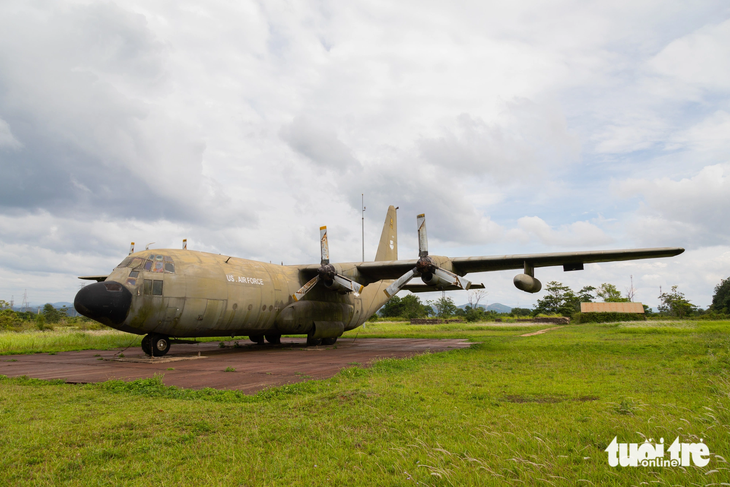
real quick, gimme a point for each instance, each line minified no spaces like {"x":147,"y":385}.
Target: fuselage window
{"x":157,"y":288}
{"x":132,"y":279}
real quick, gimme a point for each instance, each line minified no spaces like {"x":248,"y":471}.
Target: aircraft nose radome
{"x":107,"y":302}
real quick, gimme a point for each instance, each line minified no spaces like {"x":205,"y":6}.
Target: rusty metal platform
{"x":204,"y":364}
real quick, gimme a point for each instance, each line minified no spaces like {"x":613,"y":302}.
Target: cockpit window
{"x":148,"y":265}
{"x":131,"y":262}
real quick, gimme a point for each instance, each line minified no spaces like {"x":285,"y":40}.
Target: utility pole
{"x":363,"y":226}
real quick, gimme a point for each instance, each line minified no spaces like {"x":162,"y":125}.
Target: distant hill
{"x":498,"y":307}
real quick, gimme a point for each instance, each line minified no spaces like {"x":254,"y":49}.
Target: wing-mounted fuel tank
{"x":300,"y":317}
{"x":527,"y":281}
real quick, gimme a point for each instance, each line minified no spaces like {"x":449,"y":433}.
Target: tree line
{"x":559,"y":299}
{"x":46,"y":319}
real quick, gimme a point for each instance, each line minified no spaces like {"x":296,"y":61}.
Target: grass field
{"x":511,"y":410}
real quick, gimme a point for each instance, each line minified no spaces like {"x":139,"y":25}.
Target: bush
{"x":606,"y":317}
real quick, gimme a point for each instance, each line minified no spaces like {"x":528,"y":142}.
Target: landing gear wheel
{"x":146,"y":345}
{"x":155,"y":345}
{"x":257,"y":339}
{"x":313,"y":342}
{"x":273,"y":339}
{"x":329,"y":341}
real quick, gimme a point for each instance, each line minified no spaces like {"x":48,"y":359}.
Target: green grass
{"x":70,"y":339}
{"x":511,"y":410}
{"x":64,"y":340}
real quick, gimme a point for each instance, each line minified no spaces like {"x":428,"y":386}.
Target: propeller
{"x":431,"y":274}
{"x":327,"y":273}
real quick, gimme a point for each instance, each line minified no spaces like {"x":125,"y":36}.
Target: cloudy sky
{"x":244,"y":126}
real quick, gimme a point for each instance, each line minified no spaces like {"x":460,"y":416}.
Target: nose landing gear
{"x":155,"y":345}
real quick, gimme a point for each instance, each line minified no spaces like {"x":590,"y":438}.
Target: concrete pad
{"x":256,"y":366}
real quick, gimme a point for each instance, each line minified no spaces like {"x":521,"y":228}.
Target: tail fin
{"x":388,"y":246}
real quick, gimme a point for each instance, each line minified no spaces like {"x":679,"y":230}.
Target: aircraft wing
{"x":466,"y":265}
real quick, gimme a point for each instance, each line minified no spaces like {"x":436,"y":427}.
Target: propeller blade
{"x":305,"y":289}
{"x":349,"y":284}
{"x":452,"y":278}
{"x":324,"y":247}
{"x":422,"y":238}
{"x":393,"y":289}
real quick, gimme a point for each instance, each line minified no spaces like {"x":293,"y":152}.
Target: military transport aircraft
{"x":166,"y":294}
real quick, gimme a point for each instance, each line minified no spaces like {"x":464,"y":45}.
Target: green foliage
{"x":40,"y":322}
{"x":412,"y":307}
{"x":9,"y":319}
{"x":559,"y":300}
{"x":675,"y":304}
{"x":721,"y":298}
{"x":606,"y":317}
{"x":444,"y":307}
{"x":610,"y":294}
{"x":520,"y":312}
{"x":52,"y":314}
{"x":392,"y":308}
{"x":408,"y":307}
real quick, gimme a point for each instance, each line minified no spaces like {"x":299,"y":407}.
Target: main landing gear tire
{"x":329,"y":341}
{"x":257,"y":339}
{"x":273,"y":339}
{"x":155,"y":345}
{"x":313,"y":342}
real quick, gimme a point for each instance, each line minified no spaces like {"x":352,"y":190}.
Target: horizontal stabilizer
{"x":94,"y":278}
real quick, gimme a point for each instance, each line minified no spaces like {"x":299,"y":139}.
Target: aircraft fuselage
{"x":184,"y":293}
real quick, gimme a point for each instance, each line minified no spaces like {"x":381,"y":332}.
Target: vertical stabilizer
{"x":388,"y":246}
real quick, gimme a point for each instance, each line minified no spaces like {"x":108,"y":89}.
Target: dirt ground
{"x":204,"y":364}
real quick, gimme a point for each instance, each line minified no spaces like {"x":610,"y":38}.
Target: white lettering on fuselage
{"x":244,"y":280}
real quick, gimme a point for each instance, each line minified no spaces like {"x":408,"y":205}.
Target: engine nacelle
{"x":526,"y":283}
{"x":334,"y":285}
{"x":431,"y":279}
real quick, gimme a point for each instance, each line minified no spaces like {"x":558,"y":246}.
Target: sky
{"x":516,"y":127}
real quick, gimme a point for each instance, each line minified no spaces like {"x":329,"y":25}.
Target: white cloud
{"x":699,"y":59}
{"x":578,"y":234}
{"x":692,"y":210}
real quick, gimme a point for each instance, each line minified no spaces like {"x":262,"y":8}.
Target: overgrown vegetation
{"x":511,"y":410}
{"x":48,"y":319}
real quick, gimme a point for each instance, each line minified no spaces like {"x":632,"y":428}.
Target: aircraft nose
{"x":107,"y":302}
